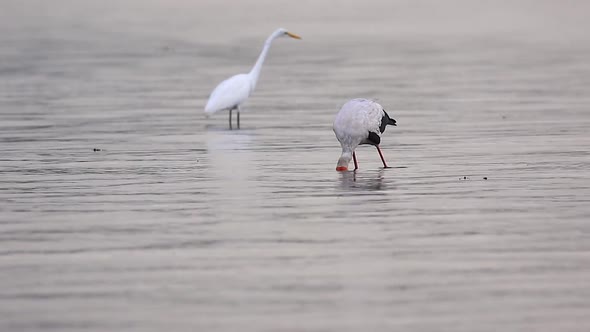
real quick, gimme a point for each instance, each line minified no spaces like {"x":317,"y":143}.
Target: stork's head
{"x":343,"y":161}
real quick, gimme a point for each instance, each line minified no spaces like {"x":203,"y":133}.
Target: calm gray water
{"x":179,"y":224}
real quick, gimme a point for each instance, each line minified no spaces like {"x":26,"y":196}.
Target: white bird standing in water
{"x":232,"y":92}
{"x":359,"y":121}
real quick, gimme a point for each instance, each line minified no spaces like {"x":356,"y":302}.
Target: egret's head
{"x":284,"y":33}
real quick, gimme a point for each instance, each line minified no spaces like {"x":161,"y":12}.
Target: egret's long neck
{"x":255,"y":72}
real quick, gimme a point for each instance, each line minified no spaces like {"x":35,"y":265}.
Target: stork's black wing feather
{"x":386,"y":120}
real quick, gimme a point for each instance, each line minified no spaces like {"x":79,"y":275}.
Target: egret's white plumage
{"x":229,"y":93}
{"x":232,"y":92}
{"x":359,"y":121}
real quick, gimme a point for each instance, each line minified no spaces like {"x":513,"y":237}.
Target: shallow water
{"x":178,"y":223}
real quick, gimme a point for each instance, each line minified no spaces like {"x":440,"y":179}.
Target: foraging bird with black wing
{"x":360,"y":121}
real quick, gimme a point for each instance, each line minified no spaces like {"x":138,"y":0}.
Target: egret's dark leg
{"x":381,"y":155}
{"x":356,"y":164}
{"x":238,"y":118}
{"x":230,"y":118}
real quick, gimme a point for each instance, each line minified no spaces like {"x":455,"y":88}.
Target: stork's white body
{"x":355,"y":120}
{"x":359,"y":121}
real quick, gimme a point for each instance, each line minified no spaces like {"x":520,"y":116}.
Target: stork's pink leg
{"x":381,"y":155}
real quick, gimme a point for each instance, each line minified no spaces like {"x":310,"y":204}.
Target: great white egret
{"x":359,"y":121}
{"x":232,"y":92}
